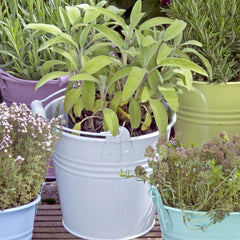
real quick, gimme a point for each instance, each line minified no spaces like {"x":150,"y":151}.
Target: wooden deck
{"x":48,"y":225}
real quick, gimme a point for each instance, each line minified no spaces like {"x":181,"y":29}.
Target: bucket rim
{"x":22,"y":207}
{"x":68,"y":131}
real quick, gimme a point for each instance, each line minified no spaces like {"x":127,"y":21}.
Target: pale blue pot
{"x":173,"y":227}
{"x":17,"y":223}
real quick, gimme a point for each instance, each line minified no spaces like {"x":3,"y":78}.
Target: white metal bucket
{"x":96,"y":202}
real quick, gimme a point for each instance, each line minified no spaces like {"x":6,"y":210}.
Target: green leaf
{"x":110,"y":34}
{"x":64,"y":18}
{"x":68,"y":38}
{"x":160,"y":115}
{"x":97,"y":106}
{"x":77,"y":127}
{"x":71,"y":98}
{"x":139,"y":36}
{"x":49,"y":76}
{"x":88,"y":95}
{"x":83,"y":77}
{"x":74,"y":14}
{"x":90,"y":16}
{"x":111,"y":119}
{"x":153,"y":78}
{"x":178,"y":39}
{"x":164,"y":52}
{"x":153,"y":22}
{"x":147,"y":122}
{"x":134,"y":79}
{"x":174,"y":29}
{"x":135,"y":114}
{"x":68,"y":56}
{"x":182,"y":63}
{"x":146,"y":94}
{"x":192,"y":42}
{"x":170,"y":96}
{"x":78,"y":107}
{"x":148,"y":40}
{"x":84,"y":35}
{"x":203,"y":59}
{"x":52,"y":41}
{"x":97,"y":63}
{"x":136,"y":14}
{"x":45,"y":28}
{"x":121,"y":74}
{"x":116,"y":101}
{"x":46,"y":67}
{"x":112,"y":15}
{"x":187,"y":77}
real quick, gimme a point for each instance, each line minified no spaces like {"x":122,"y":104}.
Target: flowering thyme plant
{"x":26,"y":145}
{"x":194,"y":178}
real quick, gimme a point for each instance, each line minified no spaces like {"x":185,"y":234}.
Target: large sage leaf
{"x":97,"y":63}
{"x":160,"y":115}
{"x":46,"y":67}
{"x":136,"y":14}
{"x":49,"y":76}
{"x":170,"y":96}
{"x":147,"y":122}
{"x":84,"y":77}
{"x":88,"y":95}
{"x":153,"y":22}
{"x":174,"y":29}
{"x":204,"y":60}
{"x":71,"y":98}
{"x":64,"y":18}
{"x":134,"y":79}
{"x":45,"y":28}
{"x":78,"y":107}
{"x":111,"y":119}
{"x":110,"y":34}
{"x":164,"y":52}
{"x":135,"y":114}
{"x":182,"y":63}
{"x":74,"y":14}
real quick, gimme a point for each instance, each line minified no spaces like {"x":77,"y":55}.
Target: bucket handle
{"x":165,"y":221}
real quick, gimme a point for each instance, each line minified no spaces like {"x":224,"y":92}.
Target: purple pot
{"x":18,"y":90}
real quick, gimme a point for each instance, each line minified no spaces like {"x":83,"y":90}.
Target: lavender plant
{"x":26,"y":145}
{"x":194,"y":178}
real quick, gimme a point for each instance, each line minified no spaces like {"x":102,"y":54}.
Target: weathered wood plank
{"x":48,"y":225}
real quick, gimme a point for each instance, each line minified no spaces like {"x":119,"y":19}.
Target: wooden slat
{"x":48,"y":225}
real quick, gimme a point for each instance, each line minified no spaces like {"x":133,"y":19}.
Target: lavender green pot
{"x":18,"y":90}
{"x":201,"y":120}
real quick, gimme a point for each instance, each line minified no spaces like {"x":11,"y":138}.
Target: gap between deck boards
{"x":48,"y":225}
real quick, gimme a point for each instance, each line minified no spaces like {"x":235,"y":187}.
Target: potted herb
{"x":216,"y":25}
{"x":27,"y":143}
{"x":20,"y":61}
{"x":120,"y":75}
{"x":195,"y":189}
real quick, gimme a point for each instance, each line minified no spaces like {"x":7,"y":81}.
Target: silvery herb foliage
{"x":26,"y":146}
{"x":120,"y":72}
{"x":216,"y":24}
{"x":203,"y":178}
{"x":18,"y":50}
